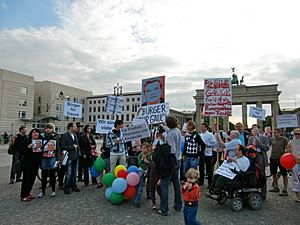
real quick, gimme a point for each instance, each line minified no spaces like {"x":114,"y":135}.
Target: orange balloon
{"x":288,"y":161}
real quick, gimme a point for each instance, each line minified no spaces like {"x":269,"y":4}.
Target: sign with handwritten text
{"x":72,"y":109}
{"x":257,"y":113}
{"x":217,"y":97}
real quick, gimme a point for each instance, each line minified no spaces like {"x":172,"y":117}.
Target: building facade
{"x":16,"y":101}
{"x":49,"y":101}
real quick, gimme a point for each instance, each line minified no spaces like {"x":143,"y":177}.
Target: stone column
{"x":198,"y":115}
{"x":226,"y":123}
{"x":212,"y":121}
{"x":275,"y":111}
{"x":259,"y":122}
{"x":244,"y":114}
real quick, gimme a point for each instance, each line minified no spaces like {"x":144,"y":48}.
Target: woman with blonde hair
{"x":294,"y":147}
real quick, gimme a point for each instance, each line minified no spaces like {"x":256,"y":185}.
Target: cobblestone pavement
{"x":90,"y":207}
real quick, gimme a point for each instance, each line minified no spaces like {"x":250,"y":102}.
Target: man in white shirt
{"x":242,"y":164}
{"x":210,"y":142}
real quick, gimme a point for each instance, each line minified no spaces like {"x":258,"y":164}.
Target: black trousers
{"x":51,"y":174}
{"x":215,"y":158}
{"x":207,"y":160}
{"x":86,"y":165}
{"x":80,"y":167}
{"x":30,"y":171}
{"x":61,"y":174}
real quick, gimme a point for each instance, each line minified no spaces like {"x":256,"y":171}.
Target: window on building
{"x":22,"y":102}
{"x":94,"y":118}
{"x":99,"y":101}
{"x":103,"y":109}
{"x":107,"y":117}
{"x":82,"y":100}
{"x":122,"y":117}
{"x":58,"y":107}
{"x":127,"y":117}
{"x":138,"y":99}
{"x":57,"y":129}
{"x":99,"y":109}
{"x":82,"y":119}
{"x":94,"y":109}
{"x":66,"y":118}
{"x":24,"y":90}
{"x":39,"y":100}
{"x":103,"y":101}
{"x":98,"y":116}
{"x":127,"y":108}
{"x":103,"y":117}
{"x":58,"y":116}
{"x":22,"y":114}
{"x":39,"y":109}
{"x":91,"y":102}
{"x":75,"y":99}
{"x":82,"y":110}
{"x":90,"y":109}
{"x":90,"y":118}
{"x":132,"y":117}
{"x":117,"y":117}
{"x":95,"y":101}
{"x":74,"y":119}
{"x":133,"y":99}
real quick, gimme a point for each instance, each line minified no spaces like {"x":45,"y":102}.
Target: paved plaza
{"x":90,"y":207}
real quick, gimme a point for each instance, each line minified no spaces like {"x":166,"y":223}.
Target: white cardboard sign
{"x":114,"y":104}
{"x":154,"y":113}
{"x":72,"y":109}
{"x":104,"y":126}
{"x":224,"y":170}
{"x":287,"y":120}
{"x":135,"y":132}
{"x":257,"y":113}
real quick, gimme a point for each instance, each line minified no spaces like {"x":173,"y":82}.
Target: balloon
{"x":132,"y":169}
{"x":93,"y":172}
{"x":118,"y":168}
{"x":108,"y":179}
{"x":133,"y":179}
{"x":129,"y":193}
{"x":108,"y":192}
{"x":116,"y":198}
{"x":99,"y":164}
{"x":288,"y":161}
{"x":122,"y":174}
{"x":119,"y":185}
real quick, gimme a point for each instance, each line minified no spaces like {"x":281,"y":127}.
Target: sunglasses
{"x":296,"y":133}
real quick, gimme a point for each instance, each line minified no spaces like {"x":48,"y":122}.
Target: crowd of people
{"x":182,"y":157}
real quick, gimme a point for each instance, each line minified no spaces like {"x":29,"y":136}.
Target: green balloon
{"x":116,"y":198}
{"x":99,"y":165}
{"x":108,"y":179}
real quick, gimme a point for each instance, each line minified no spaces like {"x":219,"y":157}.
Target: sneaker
{"x":154,"y":207}
{"x":283,"y":193}
{"x":160,"y":212}
{"x":26,"y":199}
{"x":41,"y":195}
{"x":53,"y":194}
{"x":275,"y":189}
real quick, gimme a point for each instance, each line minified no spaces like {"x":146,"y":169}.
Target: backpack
{"x":11,"y":147}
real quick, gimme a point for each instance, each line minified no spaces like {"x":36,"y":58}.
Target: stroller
{"x":245,"y":187}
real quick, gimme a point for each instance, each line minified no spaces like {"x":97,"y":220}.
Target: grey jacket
{"x":263,"y":144}
{"x":174,"y":140}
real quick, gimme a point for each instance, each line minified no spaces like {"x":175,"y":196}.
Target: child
{"x":191,"y":195}
{"x":143,"y":160}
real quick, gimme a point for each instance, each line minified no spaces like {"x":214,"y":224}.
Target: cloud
{"x":101,"y":43}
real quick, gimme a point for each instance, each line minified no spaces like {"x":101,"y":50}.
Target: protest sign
{"x":287,"y":120}
{"x":135,"y":132}
{"x":72,"y":109}
{"x":217,"y":97}
{"x":257,"y":113}
{"x":225,"y":170}
{"x":104,"y":126}
{"x":154,"y":113}
{"x":153,"y":91}
{"x":137,"y":121}
{"x":114,"y":104}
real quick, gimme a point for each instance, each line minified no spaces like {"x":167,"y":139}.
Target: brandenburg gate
{"x":244,"y":95}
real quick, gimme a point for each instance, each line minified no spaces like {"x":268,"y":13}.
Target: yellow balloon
{"x":118,"y":168}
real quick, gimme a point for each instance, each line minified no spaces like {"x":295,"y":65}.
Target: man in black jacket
{"x":19,"y":143}
{"x":69,"y":143}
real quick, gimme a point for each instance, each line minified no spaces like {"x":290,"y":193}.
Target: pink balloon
{"x":133,"y":179}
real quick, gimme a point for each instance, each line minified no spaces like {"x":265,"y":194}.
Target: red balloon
{"x":288,"y":161}
{"x":122,"y":174}
{"x":129,"y":193}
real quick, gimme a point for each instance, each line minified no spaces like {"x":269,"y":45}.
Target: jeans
{"x":48,"y":163}
{"x":71,"y":171}
{"x":15,"y":158}
{"x":190,"y":162}
{"x":190,"y":215}
{"x":164,"y":199}
{"x":139,"y":189}
{"x":175,"y":180}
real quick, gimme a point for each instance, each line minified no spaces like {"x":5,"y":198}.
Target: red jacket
{"x":191,"y":195}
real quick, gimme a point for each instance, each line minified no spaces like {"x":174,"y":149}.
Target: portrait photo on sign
{"x":37,"y":145}
{"x":153,"y":90}
{"x":49,"y":147}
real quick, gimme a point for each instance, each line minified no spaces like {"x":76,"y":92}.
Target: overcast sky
{"x":93,"y":44}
